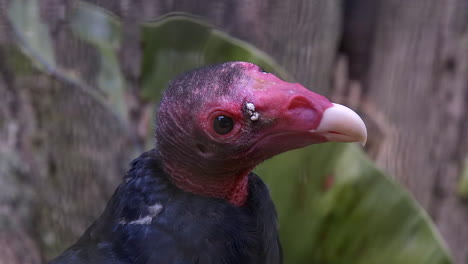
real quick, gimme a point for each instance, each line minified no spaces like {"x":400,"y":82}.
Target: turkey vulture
{"x":194,"y":197}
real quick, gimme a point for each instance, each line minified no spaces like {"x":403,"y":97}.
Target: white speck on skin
{"x":250,"y":107}
{"x":153,"y":211}
{"x":251,"y":111}
{"x":254,"y":116}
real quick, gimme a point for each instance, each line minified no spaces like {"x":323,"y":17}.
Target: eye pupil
{"x":223,"y":124}
{"x":262,"y":70}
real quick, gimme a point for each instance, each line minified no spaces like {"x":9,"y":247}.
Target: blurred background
{"x":79,"y":83}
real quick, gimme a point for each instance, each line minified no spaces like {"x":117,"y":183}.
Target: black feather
{"x":186,"y":228}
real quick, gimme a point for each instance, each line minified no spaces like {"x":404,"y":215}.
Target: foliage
{"x":103,"y":31}
{"x":334,"y":205}
{"x":32,"y":33}
{"x":177,"y":43}
{"x":463,"y":182}
{"x":93,"y":25}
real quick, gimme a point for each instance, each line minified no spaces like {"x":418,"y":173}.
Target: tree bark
{"x":414,"y":81}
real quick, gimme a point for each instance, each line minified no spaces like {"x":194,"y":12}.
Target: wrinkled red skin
{"x":286,"y":114}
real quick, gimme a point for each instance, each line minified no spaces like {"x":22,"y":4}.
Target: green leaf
{"x":97,"y":26}
{"x":103,"y":30}
{"x":17,"y":60}
{"x":35,"y":42}
{"x":462,"y":189}
{"x":93,"y":24}
{"x":177,"y":43}
{"x":32,"y":33}
{"x":336,"y":207}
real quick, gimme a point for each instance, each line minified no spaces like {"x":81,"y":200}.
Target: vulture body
{"x":194,"y":198}
{"x":150,"y":220}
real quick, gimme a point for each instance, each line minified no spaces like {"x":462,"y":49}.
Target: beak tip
{"x":363,"y":142}
{"x":363,"y":134}
{"x":346,"y":122}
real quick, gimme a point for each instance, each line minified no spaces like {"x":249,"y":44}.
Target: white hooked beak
{"x":341,"y":124}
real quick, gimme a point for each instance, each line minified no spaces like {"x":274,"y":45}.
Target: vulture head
{"x":216,"y":123}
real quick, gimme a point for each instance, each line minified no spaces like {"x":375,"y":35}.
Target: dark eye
{"x":262,"y":70}
{"x":223,"y":124}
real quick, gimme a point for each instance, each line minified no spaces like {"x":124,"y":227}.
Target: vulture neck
{"x":232,"y":188}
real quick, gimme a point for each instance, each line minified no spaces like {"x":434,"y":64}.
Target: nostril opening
{"x":298,"y":103}
{"x":301,"y":109}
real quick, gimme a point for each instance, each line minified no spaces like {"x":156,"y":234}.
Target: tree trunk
{"x":402,"y":65}
{"x":414,"y":83}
